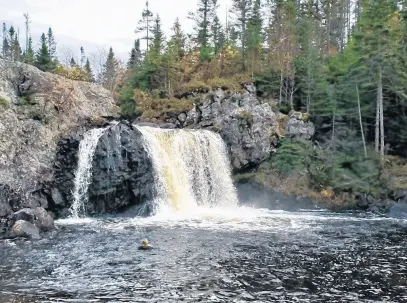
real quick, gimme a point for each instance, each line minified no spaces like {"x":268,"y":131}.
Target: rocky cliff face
{"x":122,"y":174}
{"x":248,"y":125}
{"x":36,"y":110}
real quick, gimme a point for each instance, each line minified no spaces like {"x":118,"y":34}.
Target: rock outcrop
{"x":24,"y":229}
{"x":36,"y":110}
{"x":122,"y":174}
{"x":248,"y":125}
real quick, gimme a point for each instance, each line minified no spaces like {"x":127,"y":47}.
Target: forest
{"x":343,"y":62}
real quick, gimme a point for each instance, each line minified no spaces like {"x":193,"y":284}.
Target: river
{"x":212,"y":255}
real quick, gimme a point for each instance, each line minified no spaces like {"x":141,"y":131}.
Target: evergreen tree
{"x":52,"y":45}
{"x":109,"y":73}
{"x":203,"y":18}
{"x":158,"y":37}
{"x":145,"y":26}
{"x":72,"y":63}
{"x":135,"y":55}
{"x":178,"y":39}
{"x":241,"y":9}
{"x":83,"y":57}
{"x":254,"y":34}
{"x":43,"y":59}
{"x":6,"y":50}
{"x":28,"y":56}
{"x":15,"y":49}
{"x":88,"y":71}
{"x":377,"y":46}
{"x":218,"y":35}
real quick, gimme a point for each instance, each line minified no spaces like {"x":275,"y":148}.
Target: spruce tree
{"x":254,"y":34}
{"x":72,"y":63}
{"x":145,"y":26}
{"x":376,"y":44}
{"x":108,"y":76}
{"x":178,"y":39}
{"x":241,"y":10}
{"x":83,"y":57}
{"x":15,"y":49}
{"x":218,"y":35}
{"x":203,"y":19}
{"x":28,"y":56}
{"x":135,"y":55}
{"x":89,"y":72}
{"x":158,"y":37}
{"x":52,"y":46}
{"x":43,"y":60}
{"x":6,"y":48}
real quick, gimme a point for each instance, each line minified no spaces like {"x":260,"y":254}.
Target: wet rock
{"x":122,"y":171}
{"x":24,"y":229}
{"x":168,"y":126}
{"x":37,"y":216}
{"x":182,"y":117}
{"x":399,"y":210}
{"x":149,"y":124}
{"x":57,"y":197}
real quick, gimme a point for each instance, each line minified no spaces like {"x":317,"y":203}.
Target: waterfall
{"x":191,"y":169}
{"x":83,"y":174}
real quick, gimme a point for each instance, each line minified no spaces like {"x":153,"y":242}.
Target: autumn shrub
{"x":73,"y":73}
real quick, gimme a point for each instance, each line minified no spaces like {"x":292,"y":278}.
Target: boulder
{"x":24,"y":229}
{"x":398,"y":210}
{"x":37,"y":216}
{"x":298,"y":126}
{"x":122,"y":174}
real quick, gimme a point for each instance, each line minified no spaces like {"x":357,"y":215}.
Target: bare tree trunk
{"x":281,"y":88}
{"x":308,"y":83}
{"x":380,"y":92}
{"x":361,"y":122}
{"x":377,"y":128}
{"x":333,"y":114}
{"x":292,"y":90}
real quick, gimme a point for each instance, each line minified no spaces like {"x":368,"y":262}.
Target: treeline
{"x":341,"y":61}
{"x":46,"y":58}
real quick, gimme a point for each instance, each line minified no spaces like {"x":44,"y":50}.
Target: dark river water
{"x":242,"y":255}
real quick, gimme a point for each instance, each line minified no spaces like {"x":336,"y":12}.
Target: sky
{"x":95,"y":24}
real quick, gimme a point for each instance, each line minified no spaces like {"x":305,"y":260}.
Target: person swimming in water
{"x":145,"y":245}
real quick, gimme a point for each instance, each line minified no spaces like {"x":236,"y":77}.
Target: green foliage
{"x":43,"y":60}
{"x":291,"y":156}
{"x":3,"y":101}
{"x":25,"y":100}
{"x":109,"y":73}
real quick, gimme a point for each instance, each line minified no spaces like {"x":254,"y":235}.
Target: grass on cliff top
{"x":158,"y":108}
{"x":230,"y":84}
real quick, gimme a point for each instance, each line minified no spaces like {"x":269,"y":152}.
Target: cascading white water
{"x":83,"y":174}
{"x":191,"y":169}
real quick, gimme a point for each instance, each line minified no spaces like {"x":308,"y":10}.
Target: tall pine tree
{"x":43,"y":59}
{"x":203,"y":19}
{"x":108,"y":76}
{"x":52,"y":45}
{"x":145,"y":25}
